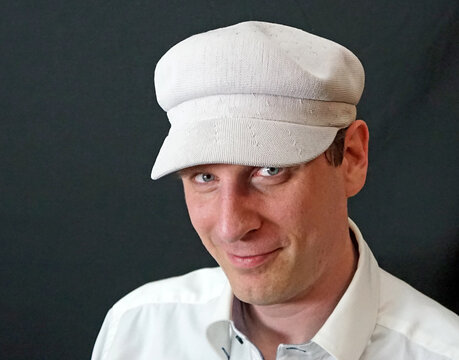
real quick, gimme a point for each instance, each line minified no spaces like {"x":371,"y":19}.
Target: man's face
{"x":276,"y":232}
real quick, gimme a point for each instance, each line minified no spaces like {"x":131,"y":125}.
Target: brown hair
{"x":334,"y":153}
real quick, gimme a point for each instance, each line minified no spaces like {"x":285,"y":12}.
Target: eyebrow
{"x":180,"y":174}
{"x":187,"y":171}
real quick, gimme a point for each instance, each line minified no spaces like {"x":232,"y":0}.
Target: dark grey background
{"x":81,"y":222}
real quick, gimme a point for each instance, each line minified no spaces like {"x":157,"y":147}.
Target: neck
{"x":298,"y":320}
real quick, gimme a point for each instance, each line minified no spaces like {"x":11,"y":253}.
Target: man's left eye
{"x":269,"y":171}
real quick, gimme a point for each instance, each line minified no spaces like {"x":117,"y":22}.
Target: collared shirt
{"x":379,"y":317}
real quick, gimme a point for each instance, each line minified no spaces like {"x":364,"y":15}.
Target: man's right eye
{"x":204,"y":178}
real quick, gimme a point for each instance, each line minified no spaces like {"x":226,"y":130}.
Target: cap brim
{"x":242,"y":141}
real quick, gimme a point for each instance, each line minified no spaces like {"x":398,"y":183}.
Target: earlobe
{"x":355,"y":157}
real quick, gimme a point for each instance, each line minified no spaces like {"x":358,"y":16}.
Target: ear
{"x":355,"y":157}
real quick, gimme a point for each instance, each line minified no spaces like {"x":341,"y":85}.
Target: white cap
{"x":256,"y":94}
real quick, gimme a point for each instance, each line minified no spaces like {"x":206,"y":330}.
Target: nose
{"x":238,"y":216}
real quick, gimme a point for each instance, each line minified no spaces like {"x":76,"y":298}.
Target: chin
{"x":259,"y":294}
{"x":259,"y":286}
{"x":256,"y":299}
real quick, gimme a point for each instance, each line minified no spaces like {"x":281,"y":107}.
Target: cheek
{"x":202,"y":217}
{"x":290,"y":208}
{"x":198,"y":216}
{"x":202,"y":225}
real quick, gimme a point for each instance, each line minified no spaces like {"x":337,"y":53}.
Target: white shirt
{"x":189,"y":317}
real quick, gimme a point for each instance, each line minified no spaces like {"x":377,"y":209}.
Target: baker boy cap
{"x":256,"y":94}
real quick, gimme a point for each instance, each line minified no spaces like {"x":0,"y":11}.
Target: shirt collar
{"x":219,"y":331}
{"x":346,"y":332}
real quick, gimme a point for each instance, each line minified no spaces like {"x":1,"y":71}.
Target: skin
{"x":281,"y":236}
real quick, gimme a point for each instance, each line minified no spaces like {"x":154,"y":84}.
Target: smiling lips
{"x":251,"y":261}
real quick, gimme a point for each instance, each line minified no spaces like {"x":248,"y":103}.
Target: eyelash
{"x":255,"y":173}
{"x":268,"y":168}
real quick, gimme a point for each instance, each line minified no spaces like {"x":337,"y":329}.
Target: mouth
{"x":251,"y":261}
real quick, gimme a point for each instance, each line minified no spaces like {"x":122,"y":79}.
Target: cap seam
{"x":266,"y":119}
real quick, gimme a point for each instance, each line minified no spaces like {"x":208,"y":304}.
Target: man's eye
{"x":269,"y":171}
{"x":204,"y":178}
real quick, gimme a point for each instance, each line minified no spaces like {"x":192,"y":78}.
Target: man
{"x":265,"y":138}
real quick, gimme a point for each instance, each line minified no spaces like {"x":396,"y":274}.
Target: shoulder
{"x":186,"y":304}
{"x":199,"y":286}
{"x":417,"y":318}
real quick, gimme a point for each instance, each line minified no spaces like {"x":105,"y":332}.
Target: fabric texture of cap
{"x":256,"y":94}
